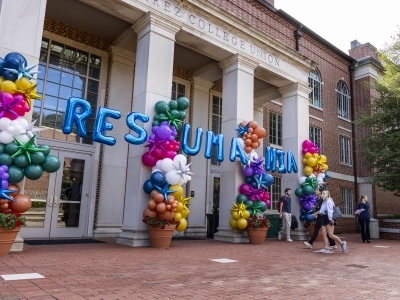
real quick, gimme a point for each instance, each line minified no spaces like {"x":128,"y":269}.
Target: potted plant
{"x":160,"y":231}
{"x":310,"y":226}
{"x":10,"y":224}
{"x":257,"y":228}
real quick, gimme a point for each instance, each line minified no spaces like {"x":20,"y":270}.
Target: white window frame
{"x":276,"y":130}
{"x":346,"y":196}
{"x":275,"y":192}
{"x":343,"y":100}
{"x":345,"y":150}
{"x":315,"y":83}
{"x":210,"y":115}
{"x":315,"y":131}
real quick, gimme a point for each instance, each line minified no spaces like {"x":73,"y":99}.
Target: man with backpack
{"x":285,"y":213}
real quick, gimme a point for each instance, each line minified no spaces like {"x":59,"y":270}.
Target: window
{"x":345,"y":150}
{"x":314,"y":80}
{"x":275,"y":192}
{"x":216,"y":117}
{"x":65,"y":72}
{"x":275,"y":129}
{"x":347,"y":201}
{"x":343,"y":100}
{"x":316,"y":136}
{"x":178,"y":90}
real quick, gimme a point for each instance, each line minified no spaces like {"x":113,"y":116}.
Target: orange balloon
{"x":152,"y":204}
{"x":250,"y":130}
{"x":161,"y":207}
{"x":171,"y":198}
{"x":254,"y":145}
{"x":174,"y":205}
{"x":169,"y":206}
{"x":168,"y":215}
{"x":243,"y":124}
{"x":149,"y":213}
{"x":244,"y":137}
{"x":173,"y":209}
{"x":247,"y":149}
{"x":3,"y":201}
{"x":315,"y":168}
{"x":22,"y":203}
{"x":3,"y":206}
{"x":254,"y":137}
{"x":248,"y":142}
{"x":153,"y":192}
{"x":158,"y":198}
{"x":14,"y":187}
{"x":260,"y":132}
{"x":253,"y":124}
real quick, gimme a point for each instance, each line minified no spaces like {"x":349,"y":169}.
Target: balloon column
{"x":169,"y":169}
{"x":314,"y":169}
{"x":253,"y":195}
{"x":19,"y":153}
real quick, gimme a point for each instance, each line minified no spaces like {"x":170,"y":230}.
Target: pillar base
{"x":196,"y":231}
{"x":231,"y":235}
{"x":107,"y":231}
{"x":298,"y":235}
{"x":134,"y":238}
{"x":18,"y":245}
{"x":374,"y":228}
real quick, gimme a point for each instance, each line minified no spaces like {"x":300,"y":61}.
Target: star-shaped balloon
{"x":171,"y":119}
{"x":152,"y":145}
{"x":311,"y":181}
{"x":6,"y":105}
{"x":183,"y":170}
{"x":257,"y":208}
{"x":241,"y":130}
{"x":27,"y":148}
{"x":248,"y":159}
{"x":261,"y":182}
{"x":29,"y":94}
{"x":239,"y":208}
{"x":257,"y":163}
{"x":165,"y":190}
{"x":185,"y":201}
{"x":30,"y":131}
{"x":4,"y":194}
{"x":23,"y":70}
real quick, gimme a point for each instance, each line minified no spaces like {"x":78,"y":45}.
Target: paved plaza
{"x":274,"y":270}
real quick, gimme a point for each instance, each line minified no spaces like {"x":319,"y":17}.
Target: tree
{"x":380,"y":124}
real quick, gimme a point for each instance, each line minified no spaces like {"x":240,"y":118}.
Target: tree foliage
{"x":381,"y":123}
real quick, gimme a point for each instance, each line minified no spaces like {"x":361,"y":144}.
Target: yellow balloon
{"x":304,"y":161}
{"x":235,"y":215}
{"x":23,"y":83}
{"x":179,"y":190}
{"x":325,"y":167}
{"x":8,"y":86}
{"x":308,"y":170}
{"x":311,"y":162}
{"x":182,"y":225}
{"x":323,"y":159}
{"x":241,"y":223}
{"x":1,"y":79}
{"x":246,"y":214}
{"x":184,"y":213}
{"x":232,"y":223}
{"x":307,"y":155}
{"x":179,"y":207}
{"x":177,"y":216}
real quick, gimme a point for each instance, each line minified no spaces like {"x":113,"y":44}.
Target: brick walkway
{"x":274,"y":270}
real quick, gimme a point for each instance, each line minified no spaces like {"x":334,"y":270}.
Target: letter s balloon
{"x":131,"y":123}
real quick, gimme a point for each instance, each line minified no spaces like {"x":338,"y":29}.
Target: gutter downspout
{"x":353,"y":137}
{"x":298,"y":34}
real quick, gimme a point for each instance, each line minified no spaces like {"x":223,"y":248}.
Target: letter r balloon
{"x":79,"y":118}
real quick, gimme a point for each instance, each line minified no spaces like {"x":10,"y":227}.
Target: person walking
{"x":362,"y":209}
{"x":285,"y":209}
{"x":318,"y":224}
{"x":326,"y":211}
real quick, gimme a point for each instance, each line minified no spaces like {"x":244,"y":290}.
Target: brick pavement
{"x":274,"y":270}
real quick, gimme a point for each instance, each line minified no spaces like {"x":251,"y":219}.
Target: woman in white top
{"x":326,"y":212}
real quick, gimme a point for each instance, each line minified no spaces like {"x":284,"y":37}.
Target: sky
{"x":342,"y":21}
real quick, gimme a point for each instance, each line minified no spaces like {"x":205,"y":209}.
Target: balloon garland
{"x":253,"y":195}
{"x":19,"y":153}
{"x":169,"y":169}
{"x":314,"y":168}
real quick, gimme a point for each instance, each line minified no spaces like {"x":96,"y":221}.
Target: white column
{"x":21,"y":28}
{"x":259,"y":118}
{"x":153,"y":82}
{"x":295,"y":129}
{"x":197,"y":224}
{"x":113,"y":168}
{"x":237,"y":106}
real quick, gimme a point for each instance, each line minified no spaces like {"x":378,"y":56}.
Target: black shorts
{"x":325,"y":221}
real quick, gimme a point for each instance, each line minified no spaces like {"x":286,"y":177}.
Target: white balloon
{"x":10,"y":129}
{"x":321,"y":175}
{"x":173,"y":177}
{"x":158,"y":164}
{"x":6,"y":137}
{"x":23,"y":138}
{"x":319,"y":179}
{"x":253,"y":155}
{"x":302,"y":179}
{"x":166,"y":165}
{"x":188,"y":177}
{"x":180,"y":159}
{"x":24,"y":123}
{"x":154,"y":169}
{"x":4,"y":123}
{"x":181,"y":180}
{"x":312,"y":176}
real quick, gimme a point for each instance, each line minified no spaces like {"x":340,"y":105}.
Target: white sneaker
{"x":324,"y":250}
{"x":307,"y":244}
{"x":289,"y":240}
{"x":332,"y":247}
{"x":279,"y":236}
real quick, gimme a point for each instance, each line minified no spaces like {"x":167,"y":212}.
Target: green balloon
{"x":159,"y":116}
{"x":33,"y":172}
{"x":11,"y":148}
{"x":249,"y":204}
{"x":182,"y":115}
{"x":15,"y":174}
{"x":5,"y":159}
{"x":37,"y":157}
{"x":250,"y":211}
{"x":299,"y":192}
{"x":22,"y":161}
{"x":174,"y":113}
{"x":179,"y":126}
{"x":2,"y":148}
{"x":183,"y":103}
{"x":155,"y":123}
{"x":50,"y":164}
{"x":241,"y":198}
{"x":308,"y":190}
{"x":261,"y":205}
{"x":173,"y":104}
{"x":159,"y":105}
{"x":46,"y":148}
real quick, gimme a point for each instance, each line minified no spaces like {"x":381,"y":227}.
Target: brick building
{"x":235,"y":60}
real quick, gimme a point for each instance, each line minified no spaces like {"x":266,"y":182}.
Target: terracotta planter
{"x":319,"y":238}
{"x":257,"y":235}
{"x":7,"y":238}
{"x":159,"y":237}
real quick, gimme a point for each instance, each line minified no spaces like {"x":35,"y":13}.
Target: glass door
{"x":60,"y":200}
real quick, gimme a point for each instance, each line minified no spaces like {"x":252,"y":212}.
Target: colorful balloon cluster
{"x":314,"y":169}
{"x":254,"y":197}
{"x":169,"y":169}
{"x":19,"y":153}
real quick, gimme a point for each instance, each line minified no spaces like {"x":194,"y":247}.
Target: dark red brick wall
{"x":363,"y":51}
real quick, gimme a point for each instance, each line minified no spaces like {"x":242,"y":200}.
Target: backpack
{"x":279,"y":205}
{"x":294,"y":224}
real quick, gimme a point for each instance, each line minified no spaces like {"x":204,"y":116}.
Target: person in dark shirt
{"x":285,"y":208}
{"x":364,"y":218}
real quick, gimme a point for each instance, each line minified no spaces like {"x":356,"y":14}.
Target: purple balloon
{"x":164,"y":123}
{"x":258,"y":171}
{"x":248,"y":171}
{"x":5,"y":176}
{"x":307,"y":205}
{"x":4,"y":167}
{"x":163,"y":132}
{"x":1,"y":172}
{"x":154,"y":129}
{"x":152,"y":137}
{"x":4,"y":184}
